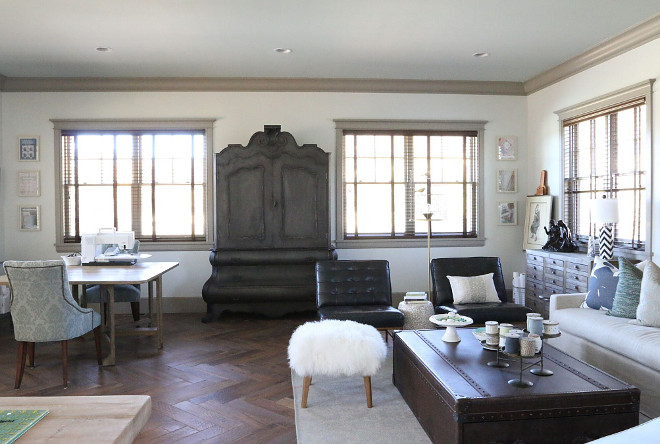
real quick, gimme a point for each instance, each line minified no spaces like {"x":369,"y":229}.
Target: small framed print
{"x":28,"y":148}
{"x":507,"y":181}
{"x":507,"y":213}
{"x":507,"y":148}
{"x":29,"y":217}
{"x":29,"y":183}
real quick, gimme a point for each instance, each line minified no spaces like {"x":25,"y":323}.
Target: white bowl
{"x":71,"y":260}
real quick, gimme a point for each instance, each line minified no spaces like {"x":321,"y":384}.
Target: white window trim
{"x":342,"y":125}
{"x":60,"y":125}
{"x":642,"y":89}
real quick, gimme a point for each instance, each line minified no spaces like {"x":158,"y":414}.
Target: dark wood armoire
{"x":272,"y":225}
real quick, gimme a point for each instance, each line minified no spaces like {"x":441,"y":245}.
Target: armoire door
{"x":300,"y":200}
{"x":244,"y":197}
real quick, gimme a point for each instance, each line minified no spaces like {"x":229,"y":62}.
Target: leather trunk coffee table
{"x":458,"y":398}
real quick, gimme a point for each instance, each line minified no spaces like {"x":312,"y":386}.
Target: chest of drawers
{"x":551,"y":273}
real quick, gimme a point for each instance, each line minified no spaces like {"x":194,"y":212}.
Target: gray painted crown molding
{"x":630,"y":39}
{"x":89,"y":84}
{"x":606,"y":50}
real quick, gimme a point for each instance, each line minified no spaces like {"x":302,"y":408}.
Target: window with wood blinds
{"x":394,"y":176}
{"x":606,"y":147}
{"x":146,"y":177}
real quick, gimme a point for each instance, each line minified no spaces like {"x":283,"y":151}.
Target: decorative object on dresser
{"x":272,"y":226}
{"x":559,"y":237}
{"x":542,"y":189}
{"x":605,"y":212}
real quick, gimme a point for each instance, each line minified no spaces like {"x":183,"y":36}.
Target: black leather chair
{"x":443,"y":298}
{"x":357,"y":291}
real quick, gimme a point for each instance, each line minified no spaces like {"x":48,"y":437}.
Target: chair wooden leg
{"x":97,"y":343}
{"x":65,"y":359}
{"x":367,"y":390}
{"x":20,"y":363}
{"x":135,"y":310}
{"x":307,"y":381}
{"x":30,"y":353}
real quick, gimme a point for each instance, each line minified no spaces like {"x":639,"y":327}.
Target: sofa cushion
{"x":473,"y":289}
{"x":648,"y":310}
{"x":636,"y":342}
{"x":602,"y":285}
{"x":626,"y":298}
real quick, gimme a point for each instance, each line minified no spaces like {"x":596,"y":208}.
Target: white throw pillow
{"x":473,"y":289}
{"x":648,"y":310}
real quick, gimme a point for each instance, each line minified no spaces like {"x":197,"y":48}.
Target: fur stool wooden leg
{"x":336,"y":348}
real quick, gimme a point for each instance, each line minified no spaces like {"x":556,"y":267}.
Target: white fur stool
{"x":336,"y":348}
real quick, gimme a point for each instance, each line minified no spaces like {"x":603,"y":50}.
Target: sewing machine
{"x":109,"y":247}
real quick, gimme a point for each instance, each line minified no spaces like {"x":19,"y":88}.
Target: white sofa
{"x":627,"y":351}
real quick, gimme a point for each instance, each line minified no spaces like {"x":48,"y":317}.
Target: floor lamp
{"x":605,"y":212}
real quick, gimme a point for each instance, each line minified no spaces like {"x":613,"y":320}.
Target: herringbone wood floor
{"x":223,"y":382}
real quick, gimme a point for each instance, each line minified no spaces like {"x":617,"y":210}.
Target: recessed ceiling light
{"x":480,"y":54}
{"x":283,"y":50}
{"x":104,"y":49}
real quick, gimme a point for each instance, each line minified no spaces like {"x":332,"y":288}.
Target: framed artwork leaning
{"x":538,"y":210}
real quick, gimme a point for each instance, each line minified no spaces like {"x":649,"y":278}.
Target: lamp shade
{"x":605,"y":211}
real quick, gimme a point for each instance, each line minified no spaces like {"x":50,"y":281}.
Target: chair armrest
{"x":561,"y":301}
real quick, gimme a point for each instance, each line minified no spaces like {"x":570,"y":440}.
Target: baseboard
{"x":197,"y":305}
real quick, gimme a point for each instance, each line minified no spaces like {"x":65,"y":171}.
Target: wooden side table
{"x":416,"y":315}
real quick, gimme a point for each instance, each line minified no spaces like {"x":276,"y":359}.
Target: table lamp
{"x":605,"y":212}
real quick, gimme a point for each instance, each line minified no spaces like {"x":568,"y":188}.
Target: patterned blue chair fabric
{"x":43,"y":309}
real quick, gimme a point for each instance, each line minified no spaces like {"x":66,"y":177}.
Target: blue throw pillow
{"x":602,"y":285}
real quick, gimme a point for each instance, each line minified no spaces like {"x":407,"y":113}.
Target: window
{"x":606,"y":150}
{"x":391,"y":174}
{"x":146,"y":177}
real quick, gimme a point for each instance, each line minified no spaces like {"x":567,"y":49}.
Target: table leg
{"x":150,"y":287}
{"x":159,"y":310}
{"x":110,"y":359}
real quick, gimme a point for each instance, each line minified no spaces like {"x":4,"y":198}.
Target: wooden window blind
{"x":603,"y":155}
{"x":152,"y":182}
{"x":391,"y":178}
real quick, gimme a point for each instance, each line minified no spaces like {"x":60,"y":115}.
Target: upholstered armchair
{"x":479,"y":308}
{"x":357,"y":291}
{"x":43,"y":310}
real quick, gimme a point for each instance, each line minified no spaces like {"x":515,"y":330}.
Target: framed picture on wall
{"x":538,"y":210}
{"x":28,"y":148}
{"x":507,"y":181}
{"x":507,"y":148}
{"x":29,"y":184}
{"x":507,"y":213}
{"x":29,"y":217}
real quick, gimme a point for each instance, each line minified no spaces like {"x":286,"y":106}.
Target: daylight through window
{"x":392,"y":179}
{"x":152,"y":182}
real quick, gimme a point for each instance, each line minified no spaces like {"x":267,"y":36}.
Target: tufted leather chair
{"x":443,"y":298}
{"x":357,"y":291}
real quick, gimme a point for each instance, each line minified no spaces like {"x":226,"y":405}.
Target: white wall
{"x":543,"y":132}
{"x":308,"y":116}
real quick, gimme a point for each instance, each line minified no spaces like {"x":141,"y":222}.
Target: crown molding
{"x":403,"y":86}
{"x":606,"y":50}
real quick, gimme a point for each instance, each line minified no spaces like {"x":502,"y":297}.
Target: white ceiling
{"x":386,"y":39}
